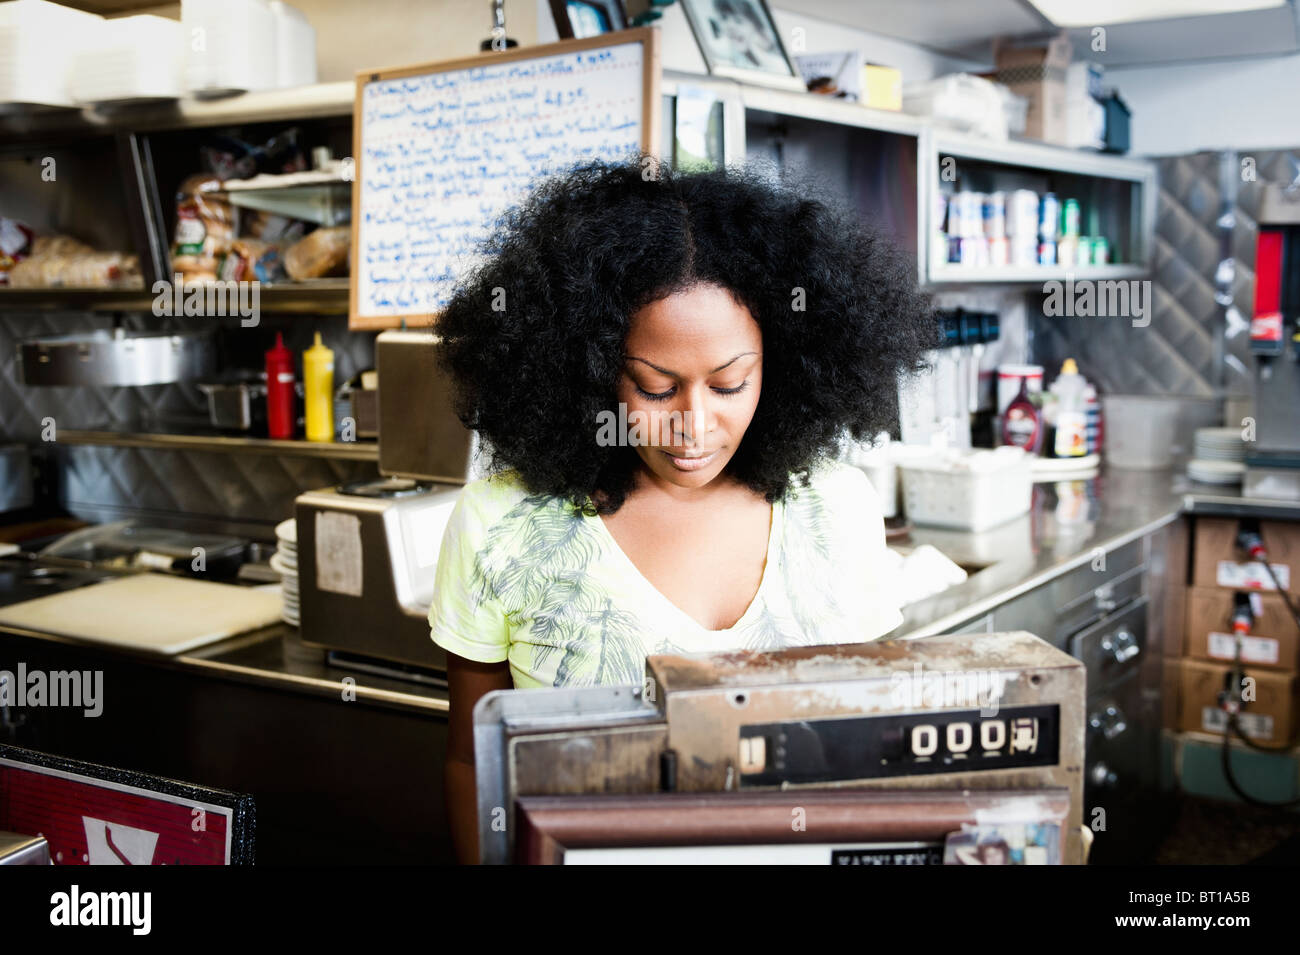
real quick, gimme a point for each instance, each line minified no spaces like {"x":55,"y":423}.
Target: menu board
{"x":442,"y":150}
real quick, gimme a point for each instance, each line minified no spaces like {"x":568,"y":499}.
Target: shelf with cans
{"x":1025,"y":213}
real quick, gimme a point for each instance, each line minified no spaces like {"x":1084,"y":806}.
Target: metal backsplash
{"x":1197,"y":344}
{"x":245,"y":493}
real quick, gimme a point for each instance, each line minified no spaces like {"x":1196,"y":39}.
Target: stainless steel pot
{"x":117,"y":358}
{"x":237,"y":403}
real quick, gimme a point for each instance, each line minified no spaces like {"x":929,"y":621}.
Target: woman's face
{"x":694,"y":370}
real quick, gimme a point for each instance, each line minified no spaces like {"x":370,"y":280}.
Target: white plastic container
{"x":139,"y":59}
{"x":229,"y":46}
{"x":40,"y":43}
{"x":968,"y":490}
{"x":1139,"y":431}
{"x":295,"y":47}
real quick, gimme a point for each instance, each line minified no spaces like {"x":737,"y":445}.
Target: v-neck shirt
{"x":533,"y":580}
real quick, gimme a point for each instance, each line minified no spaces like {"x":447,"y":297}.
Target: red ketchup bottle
{"x":279,"y":391}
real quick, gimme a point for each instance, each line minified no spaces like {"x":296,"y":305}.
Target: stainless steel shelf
{"x":319,"y":296}
{"x":1031,"y":274}
{"x":344,"y":450}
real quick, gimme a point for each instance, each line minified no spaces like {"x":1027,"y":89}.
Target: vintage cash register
{"x":958,"y":748}
{"x":367,"y":552}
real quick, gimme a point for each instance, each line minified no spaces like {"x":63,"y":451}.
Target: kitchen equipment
{"x":1140,"y":431}
{"x":910,"y":723}
{"x":237,"y":402}
{"x":15,"y":478}
{"x":367,"y":552}
{"x":19,"y":849}
{"x":129,"y":544}
{"x":153,"y":612}
{"x":285,"y":563}
{"x":22,"y":578}
{"x":1273,"y":460}
{"x":116,"y":357}
{"x":971,"y":490}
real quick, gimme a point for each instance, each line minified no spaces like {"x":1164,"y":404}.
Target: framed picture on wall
{"x":578,"y":19}
{"x":739,"y":39}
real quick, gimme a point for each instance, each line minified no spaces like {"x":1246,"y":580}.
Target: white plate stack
{"x":40,"y":43}
{"x":285,"y":562}
{"x":229,"y":46}
{"x":139,"y":60}
{"x":1219,"y":456}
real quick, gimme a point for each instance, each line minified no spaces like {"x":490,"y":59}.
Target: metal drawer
{"x":1107,"y":594}
{"x":1112,"y":649}
{"x":1117,"y":760}
{"x":1070,"y":588}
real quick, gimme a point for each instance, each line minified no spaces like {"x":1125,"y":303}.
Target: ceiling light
{"x":1073,"y":13}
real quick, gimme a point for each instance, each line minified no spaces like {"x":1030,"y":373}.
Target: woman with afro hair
{"x":663,"y":366}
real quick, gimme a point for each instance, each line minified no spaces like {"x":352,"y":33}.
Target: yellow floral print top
{"x":531,"y":579}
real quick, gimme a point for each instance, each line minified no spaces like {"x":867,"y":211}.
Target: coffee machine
{"x":1273,"y":458}
{"x":368,"y":551}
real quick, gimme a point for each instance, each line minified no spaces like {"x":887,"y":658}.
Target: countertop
{"x":1067,"y":525}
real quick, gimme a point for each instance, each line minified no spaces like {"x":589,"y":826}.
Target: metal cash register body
{"x":367,"y":552}
{"x":881,"y":750}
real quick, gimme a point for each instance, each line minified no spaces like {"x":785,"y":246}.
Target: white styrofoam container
{"x":139,"y":58}
{"x":39,"y":44}
{"x":967,"y":490}
{"x":295,"y":47}
{"x":229,"y":46}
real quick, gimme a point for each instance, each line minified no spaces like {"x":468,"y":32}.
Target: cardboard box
{"x":1269,"y":718}
{"x":880,"y":87}
{"x":1036,"y":71}
{"x":1274,"y":640}
{"x":1218,"y":563}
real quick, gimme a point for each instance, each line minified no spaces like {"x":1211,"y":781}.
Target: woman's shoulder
{"x":838,"y":485}
{"x":503,"y":496}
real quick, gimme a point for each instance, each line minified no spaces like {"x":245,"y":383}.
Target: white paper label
{"x":338,"y":553}
{"x":1251,"y":575}
{"x":1253,"y":725}
{"x":1253,"y":649}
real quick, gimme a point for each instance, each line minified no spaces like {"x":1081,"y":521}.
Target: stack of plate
{"x":139,"y":60}
{"x":285,"y":562}
{"x":1219,"y":458}
{"x":40,"y":43}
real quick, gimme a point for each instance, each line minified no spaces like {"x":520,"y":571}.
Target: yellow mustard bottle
{"x":318,"y":388}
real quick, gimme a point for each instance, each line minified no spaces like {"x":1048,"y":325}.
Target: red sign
{"x":90,"y":821}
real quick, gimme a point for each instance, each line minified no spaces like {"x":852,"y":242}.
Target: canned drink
{"x":1022,"y":214}
{"x":1070,"y":217}
{"x":995,"y":215}
{"x":972,"y":218}
{"x":1024,"y":250}
{"x":999,"y":251}
{"x":1049,"y":215}
{"x":1067,"y":250}
{"x":1100,"y":250}
{"x":1047,"y":253}
{"x":1084,"y":254}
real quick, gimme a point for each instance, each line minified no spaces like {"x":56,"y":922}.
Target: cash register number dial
{"x":910,"y":744}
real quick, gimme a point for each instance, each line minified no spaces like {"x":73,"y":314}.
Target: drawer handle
{"x":1105,"y":598}
{"x":1122,"y":645}
{"x":1110,"y":721}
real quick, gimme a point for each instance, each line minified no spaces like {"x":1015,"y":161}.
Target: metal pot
{"x":238,"y":402}
{"x":117,"y":358}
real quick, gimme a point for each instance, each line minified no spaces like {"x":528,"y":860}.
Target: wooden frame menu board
{"x":442,"y":149}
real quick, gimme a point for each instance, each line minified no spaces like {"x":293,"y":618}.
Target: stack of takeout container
{"x":285,"y":562}
{"x":40,"y":43}
{"x":138,"y":59}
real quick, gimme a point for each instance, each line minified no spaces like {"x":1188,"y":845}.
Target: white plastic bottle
{"x":1071,"y":415}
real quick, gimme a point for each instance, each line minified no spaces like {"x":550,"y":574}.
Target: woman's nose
{"x":697,"y":418}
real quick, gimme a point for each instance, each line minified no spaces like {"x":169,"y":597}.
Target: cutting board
{"x":147,"y":611}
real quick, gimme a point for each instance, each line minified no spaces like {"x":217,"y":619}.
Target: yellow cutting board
{"x":149,"y":612}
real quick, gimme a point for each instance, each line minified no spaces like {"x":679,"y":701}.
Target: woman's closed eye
{"x":665,"y":395}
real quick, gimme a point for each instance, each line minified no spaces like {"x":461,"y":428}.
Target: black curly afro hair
{"x":533,"y":338}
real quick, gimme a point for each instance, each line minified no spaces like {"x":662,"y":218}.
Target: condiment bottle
{"x":1071,"y":419}
{"x":279,"y":391}
{"x":318,"y":385}
{"x":1022,"y":422}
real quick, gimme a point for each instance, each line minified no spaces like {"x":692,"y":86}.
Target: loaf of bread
{"x":320,"y":254}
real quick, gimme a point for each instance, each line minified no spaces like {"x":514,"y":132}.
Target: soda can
{"x":1022,"y":214}
{"x":1070,"y":217}
{"x":1083,"y":256}
{"x":995,"y":215}
{"x":1100,"y":250}
{"x":1046,"y":253}
{"x":1049,"y":216}
{"x":999,"y":251}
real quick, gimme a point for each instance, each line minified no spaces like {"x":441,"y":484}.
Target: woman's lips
{"x":691,"y":462}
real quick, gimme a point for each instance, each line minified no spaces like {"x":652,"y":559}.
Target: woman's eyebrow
{"x":673,"y":374}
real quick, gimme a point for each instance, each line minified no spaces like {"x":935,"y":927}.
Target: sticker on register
{"x":1029,"y":843}
{"x":898,"y":744}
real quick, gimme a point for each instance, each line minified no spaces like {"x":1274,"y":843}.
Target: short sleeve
{"x":465,"y":617}
{"x":863,"y":536}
